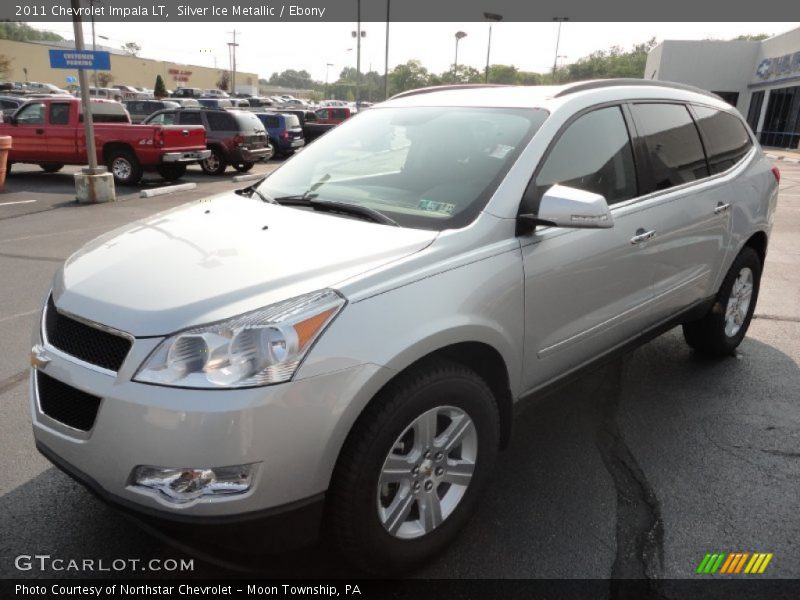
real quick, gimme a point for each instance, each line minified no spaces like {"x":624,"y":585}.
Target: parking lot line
{"x":17,"y":202}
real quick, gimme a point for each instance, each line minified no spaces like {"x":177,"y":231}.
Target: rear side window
{"x":59,"y":113}
{"x":673,"y":145}
{"x":191,"y":118}
{"x":163,"y":119}
{"x":292,"y":121}
{"x":272,"y":122}
{"x":247,"y":121}
{"x":593,"y":154}
{"x":727,"y":141}
{"x":220,"y":122}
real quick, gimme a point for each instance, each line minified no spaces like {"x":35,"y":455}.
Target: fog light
{"x":184,"y":485}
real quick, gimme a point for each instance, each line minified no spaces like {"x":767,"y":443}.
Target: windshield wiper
{"x":253,"y":189}
{"x":332,"y":206}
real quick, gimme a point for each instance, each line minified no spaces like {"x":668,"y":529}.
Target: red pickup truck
{"x":49,"y":132}
{"x":332,"y":115}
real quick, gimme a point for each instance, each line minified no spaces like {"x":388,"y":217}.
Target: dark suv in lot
{"x":235,"y":137}
{"x":139,"y":110}
{"x":285,"y":132}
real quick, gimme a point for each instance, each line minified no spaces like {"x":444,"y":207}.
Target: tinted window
{"x":191,"y":118}
{"x":726,"y":138}
{"x":271,"y":122}
{"x":220,"y":122}
{"x":673,"y":145}
{"x":322,"y":114}
{"x":59,"y":113}
{"x":247,"y":121}
{"x":163,"y":119}
{"x":593,"y":154}
{"x":292,"y":121}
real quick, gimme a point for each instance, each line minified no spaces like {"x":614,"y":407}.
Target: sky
{"x":265,"y":48}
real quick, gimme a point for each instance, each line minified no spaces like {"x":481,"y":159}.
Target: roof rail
{"x":603,"y":83}
{"x":444,"y":88}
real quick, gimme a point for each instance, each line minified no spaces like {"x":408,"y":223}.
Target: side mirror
{"x":564,"y":206}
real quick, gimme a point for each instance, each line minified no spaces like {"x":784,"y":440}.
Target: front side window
{"x":673,"y":145}
{"x":167,"y":118}
{"x":425,"y":167}
{"x":322,"y":114}
{"x":31,"y":114}
{"x":593,"y":154}
{"x":726,"y":138}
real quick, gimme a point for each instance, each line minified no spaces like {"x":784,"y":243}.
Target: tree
{"x":224,"y":81}
{"x":462,"y":74}
{"x":131,"y":48}
{"x":103,"y":79}
{"x":293,"y":79}
{"x":160,"y":90}
{"x":611,"y":63}
{"x":22,"y":32}
{"x":408,"y":76}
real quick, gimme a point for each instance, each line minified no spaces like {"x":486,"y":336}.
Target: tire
{"x":171,"y":172}
{"x":724,"y":327}
{"x":275,"y":151}
{"x":51,"y":167}
{"x":359,"y":504}
{"x":124,"y":166}
{"x":244,"y":167}
{"x":214,"y":164}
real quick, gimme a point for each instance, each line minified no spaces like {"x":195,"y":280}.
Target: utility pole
{"x":558,"y":40}
{"x":358,"y":52}
{"x":232,"y":49}
{"x":492,"y":18}
{"x":83,"y":80}
{"x":386,"y":59}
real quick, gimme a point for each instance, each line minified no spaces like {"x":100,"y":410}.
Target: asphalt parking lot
{"x":636,"y":470}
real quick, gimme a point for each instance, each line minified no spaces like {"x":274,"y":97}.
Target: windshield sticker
{"x":433,"y":206}
{"x":500,"y":151}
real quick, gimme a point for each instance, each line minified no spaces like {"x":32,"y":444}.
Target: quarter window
{"x":593,"y":154}
{"x":727,"y":141}
{"x":673,"y":145}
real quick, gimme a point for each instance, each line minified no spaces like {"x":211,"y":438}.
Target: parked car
{"x":259,"y":102}
{"x":312,"y":129}
{"x":285,"y":132}
{"x":139,"y":109}
{"x":44,"y":88}
{"x":349,"y":339}
{"x":234,"y":137}
{"x":187,"y":92}
{"x":105,"y":93}
{"x":215,"y":102}
{"x":9,"y":104}
{"x":215,"y":94}
{"x":49,"y":132}
{"x":333,"y":115}
{"x":186,"y":102}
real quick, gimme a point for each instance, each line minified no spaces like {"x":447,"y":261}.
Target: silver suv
{"x":345,"y":341}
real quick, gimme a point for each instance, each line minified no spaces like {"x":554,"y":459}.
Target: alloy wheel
{"x":739,"y":302}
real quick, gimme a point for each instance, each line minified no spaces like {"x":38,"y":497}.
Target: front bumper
{"x":291,"y":431}
{"x":185,"y":157}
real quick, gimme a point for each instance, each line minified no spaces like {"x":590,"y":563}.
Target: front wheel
{"x":724,"y":327}
{"x":125,"y":167}
{"x":412,"y":469}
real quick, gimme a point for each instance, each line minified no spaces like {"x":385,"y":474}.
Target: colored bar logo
{"x":734,"y":563}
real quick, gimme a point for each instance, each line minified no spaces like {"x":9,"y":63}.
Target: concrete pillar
{"x":91,"y":188}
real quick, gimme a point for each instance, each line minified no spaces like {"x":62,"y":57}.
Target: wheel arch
{"x":758,"y":242}
{"x":110,"y":147}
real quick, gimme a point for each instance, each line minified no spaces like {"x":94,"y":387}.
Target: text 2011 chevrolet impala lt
{"x":346,"y":339}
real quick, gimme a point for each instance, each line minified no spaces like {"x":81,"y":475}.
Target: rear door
{"x":690,"y":231}
{"x":586,"y":290}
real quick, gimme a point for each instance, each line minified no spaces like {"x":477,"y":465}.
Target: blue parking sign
{"x":80,"y":59}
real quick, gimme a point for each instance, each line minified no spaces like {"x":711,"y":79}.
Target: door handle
{"x":184,"y":132}
{"x":643,"y":236}
{"x":721,"y":208}
{"x":40,"y":132}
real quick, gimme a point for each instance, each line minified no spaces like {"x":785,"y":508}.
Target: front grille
{"x":82,"y":341}
{"x":65,"y":404}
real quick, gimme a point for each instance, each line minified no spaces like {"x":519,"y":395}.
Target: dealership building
{"x":761,"y":79}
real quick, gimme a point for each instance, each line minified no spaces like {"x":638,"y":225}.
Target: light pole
{"x":562,"y":58}
{"x":459,"y":36}
{"x":327,"y":66}
{"x":358,"y":34}
{"x":560,"y":20}
{"x":386,"y":57}
{"x":492,"y":18}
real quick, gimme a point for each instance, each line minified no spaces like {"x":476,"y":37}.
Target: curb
{"x":169,"y":189}
{"x":248,"y":177}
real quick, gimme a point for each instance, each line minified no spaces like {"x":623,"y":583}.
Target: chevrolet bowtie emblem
{"x":39,"y":357}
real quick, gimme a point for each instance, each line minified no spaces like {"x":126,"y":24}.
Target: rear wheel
{"x":51,"y":167}
{"x":243,"y":167}
{"x":171,"y":172}
{"x":124,"y":166}
{"x":214,"y":164}
{"x":724,"y":327}
{"x":412,"y":469}
{"x":274,"y":149}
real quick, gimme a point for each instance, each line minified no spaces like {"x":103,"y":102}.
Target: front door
{"x":586,"y":290}
{"x":30,"y":141}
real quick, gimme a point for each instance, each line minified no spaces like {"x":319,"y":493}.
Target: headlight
{"x":257,"y":348}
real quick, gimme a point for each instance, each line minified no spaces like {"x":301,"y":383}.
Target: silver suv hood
{"x":217,"y":258}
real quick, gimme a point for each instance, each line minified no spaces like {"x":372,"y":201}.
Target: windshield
{"x":424,"y":167}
